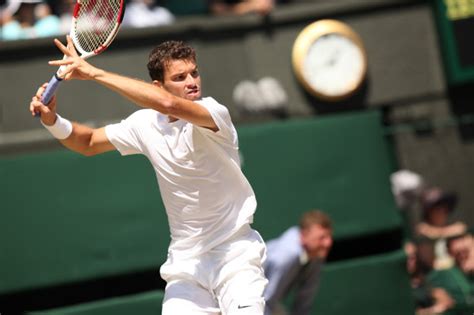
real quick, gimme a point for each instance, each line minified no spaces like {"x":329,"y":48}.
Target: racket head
{"x":95,"y":24}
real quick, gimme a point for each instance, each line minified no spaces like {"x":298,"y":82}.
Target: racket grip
{"x":51,"y":89}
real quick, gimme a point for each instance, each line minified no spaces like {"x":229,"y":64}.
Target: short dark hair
{"x":165,"y":52}
{"x":315,"y":217}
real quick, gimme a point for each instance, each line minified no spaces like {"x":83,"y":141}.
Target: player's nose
{"x":190,"y":80}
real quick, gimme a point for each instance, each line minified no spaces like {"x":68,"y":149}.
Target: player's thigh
{"x":242,"y":279}
{"x":188,"y":297}
{"x":242,"y":294}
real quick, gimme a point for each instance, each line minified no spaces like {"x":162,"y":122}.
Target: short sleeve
{"x":220,"y":115}
{"x":125,"y":135}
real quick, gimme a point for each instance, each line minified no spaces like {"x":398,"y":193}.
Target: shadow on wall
{"x":357,"y":101}
{"x":463,"y":109}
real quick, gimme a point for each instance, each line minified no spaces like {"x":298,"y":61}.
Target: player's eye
{"x":195,"y":74}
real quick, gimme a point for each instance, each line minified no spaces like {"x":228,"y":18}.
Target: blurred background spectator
{"x":436,"y":224}
{"x":239,"y":7}
{"x":440,"y":252}
{"x":64,"y":9}
{"x":25,"y":19}
{"x":440,"y":249}
{"x":428,"y":299}
{"x":462,"y":250}
{"x":458,"y":286}
{"x":145,"y":13}
{"x":294,"y":262}
{"x":407,"y":187}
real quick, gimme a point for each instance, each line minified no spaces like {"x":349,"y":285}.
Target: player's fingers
{"x":32,"y":108}
{"x":52,"y":104}
{"x":71,"y":47}
{"x":34,"y":99}
{"x":36,"y":111}
{"x":68,"y":72}
{"x":43,"y":110}
{"x":36,"y":102}
{"x":60,"y":62}
{"x":37,"y":107}
{"x":61,"y":47}
{"x":40,"y":90}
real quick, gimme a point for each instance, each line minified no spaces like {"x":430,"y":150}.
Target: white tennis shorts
{"x":227,"y":280}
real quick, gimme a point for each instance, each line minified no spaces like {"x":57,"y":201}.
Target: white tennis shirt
{"x":206,"y":195}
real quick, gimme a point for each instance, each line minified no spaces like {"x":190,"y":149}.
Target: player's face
{"x":317,"y":241}
{"x":181,"y":78}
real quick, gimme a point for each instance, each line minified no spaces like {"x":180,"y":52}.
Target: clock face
{"x":334,"y":65}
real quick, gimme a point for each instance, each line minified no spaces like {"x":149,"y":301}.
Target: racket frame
{"x":57,"y":77}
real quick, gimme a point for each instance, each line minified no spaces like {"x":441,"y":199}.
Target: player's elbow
{"x":93,"y":148}
{"x":82,"y":150}
{"x":85,"y":150}
{"x":90,"y":148}
{"x":97,"y":143}
{"x":169,"y":106}
{"x":88,"y":152}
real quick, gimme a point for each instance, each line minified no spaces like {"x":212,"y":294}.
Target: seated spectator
{"x":436,"y":224}
{"x":462,"y":249}
{"x":145,"y":13}
{"x":47,"y":24}
{"x":428,"y":299}
{"x":458,"y":286}
{"x":240,"y":7}
{"x":4,"y":13}
{"x":65,"y":8}
{"x":406,"y":188}
{"x":294,"y":261}
{"x":25,"y":19}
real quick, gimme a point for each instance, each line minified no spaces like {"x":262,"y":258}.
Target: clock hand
{"x":333,"y":59}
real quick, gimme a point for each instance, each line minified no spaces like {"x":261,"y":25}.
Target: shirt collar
{"x":304,"y":257}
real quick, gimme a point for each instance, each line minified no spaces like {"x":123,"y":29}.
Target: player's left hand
{"x":74,"y":67}
{"x":47,"y":111}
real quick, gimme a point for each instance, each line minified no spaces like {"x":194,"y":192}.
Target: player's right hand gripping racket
{"x":94,"y":26}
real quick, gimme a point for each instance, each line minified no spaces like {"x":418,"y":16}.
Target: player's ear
{"x":157,"y":83}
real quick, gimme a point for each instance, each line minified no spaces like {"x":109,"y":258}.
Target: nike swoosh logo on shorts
{"x":243,"y":306}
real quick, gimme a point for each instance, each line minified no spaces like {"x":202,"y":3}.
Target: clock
{"x":329,"y":60}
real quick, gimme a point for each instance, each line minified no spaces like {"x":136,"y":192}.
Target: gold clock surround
{"x":307,"y":37}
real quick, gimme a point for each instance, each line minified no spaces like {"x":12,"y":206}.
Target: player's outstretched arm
{"x":142,"y":93}
{"x":147,"y":95}
{"x":76,"y":137}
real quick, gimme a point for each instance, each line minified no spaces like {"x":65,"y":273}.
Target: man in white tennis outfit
{"x":215,"y":258}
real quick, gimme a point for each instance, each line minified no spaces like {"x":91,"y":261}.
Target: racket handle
{"x":51,"y":89}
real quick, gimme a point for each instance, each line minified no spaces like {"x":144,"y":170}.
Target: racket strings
{"x":95,"y":21}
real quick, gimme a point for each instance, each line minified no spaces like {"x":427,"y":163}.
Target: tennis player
{"x":215,"y":258}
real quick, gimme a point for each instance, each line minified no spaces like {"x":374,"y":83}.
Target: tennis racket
{"x":95,"y":23}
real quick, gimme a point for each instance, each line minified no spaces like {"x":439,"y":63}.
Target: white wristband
{"x":61,"y":129}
